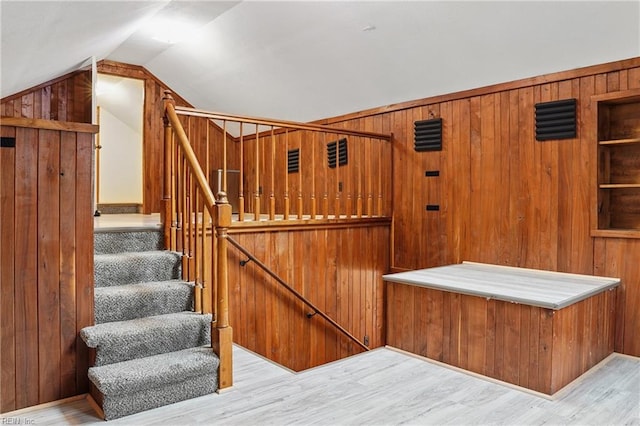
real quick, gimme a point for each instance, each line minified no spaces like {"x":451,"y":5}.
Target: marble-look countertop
{"x":546,"y":289}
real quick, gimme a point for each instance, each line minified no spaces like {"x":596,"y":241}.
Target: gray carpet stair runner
{"x":150,"y":348}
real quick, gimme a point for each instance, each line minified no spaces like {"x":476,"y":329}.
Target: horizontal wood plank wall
{"x":532,"y":347}
{"x":504,"y":197}
{"x":46,"y":283}
{"x":67,"y":98}
{"x":338,"y":270}
{"x":153,"y":130}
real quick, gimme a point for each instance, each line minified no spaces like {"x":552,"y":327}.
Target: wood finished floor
{"x":381,"y":387}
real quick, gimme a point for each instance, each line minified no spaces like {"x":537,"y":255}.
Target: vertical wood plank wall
{"x":338,"y":269}
{"x":536,"y":348}
{"x":504,"y":197}
{"x":46,"y":263}
{"x":67,"y":98}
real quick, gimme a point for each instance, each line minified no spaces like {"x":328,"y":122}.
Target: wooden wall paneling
{"x":67,"y":250}
{"x":616,"y":261}
{"x":532,"y":372}
{"x":84,"y":244}
{"x":335,"y":280}
{"x":7,"y":275}
{"x":26,"y":261}
{"x":49,"y":265}
{"x":331,"y":292}
{"x":67,"y":98}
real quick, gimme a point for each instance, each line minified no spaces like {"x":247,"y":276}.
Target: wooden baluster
{"x":166,"y":187}
{"x":241,"y":195}
{"x":256,"y":196}
{"x":178,"y":196}
{"x":381,"y":145}
{"x":286,"y":178}
{"x":359,"y":168}
{"x":338,"y":183}
{"x":224,"y":156}
{"x":184,"y":185}
{"x":207,"y":263}
{"x":197,"y":258}
{"x":221,"y":332}
{"x":369,"y":173}
{"x":313,"y":175}
{"x":272,"y":197}
{"x":300,"y":170}
{"x":325,"y":162}
{"x":348,"y":182}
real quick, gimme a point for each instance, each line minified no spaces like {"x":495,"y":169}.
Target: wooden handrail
{"x":300,"y":297}
{"x":279,"y":123}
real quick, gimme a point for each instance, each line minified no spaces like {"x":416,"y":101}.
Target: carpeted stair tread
{"x":127,"y":240}
{"x":134,"y":267}
{"x":124,"y":340}
{"x":142,"y":384}
{"x":153,"y":371}
{"x":131,"y":301}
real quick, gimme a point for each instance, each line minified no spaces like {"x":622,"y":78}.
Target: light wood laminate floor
{"x":381,"y":387}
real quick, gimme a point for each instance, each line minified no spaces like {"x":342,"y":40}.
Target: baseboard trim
{"x":26,"y":410}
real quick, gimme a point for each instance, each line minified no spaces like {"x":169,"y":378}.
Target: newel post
{"x":222,"y":334}
{"x":166,"y":211}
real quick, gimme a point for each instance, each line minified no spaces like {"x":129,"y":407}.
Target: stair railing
{"x":190,"y":209}
{"x":315,"y":309}
{"x":288,"y":171}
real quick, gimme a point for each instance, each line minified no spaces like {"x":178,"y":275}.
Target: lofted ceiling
{"x":307,"y":60}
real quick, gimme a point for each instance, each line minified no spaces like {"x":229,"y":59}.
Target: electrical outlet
{"x":366,"y":340}
{"x":339,"y":186}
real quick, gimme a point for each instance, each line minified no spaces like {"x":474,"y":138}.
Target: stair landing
{"x":113,"y":222}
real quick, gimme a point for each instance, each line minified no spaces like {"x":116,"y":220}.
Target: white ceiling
{"x":306,"y":60}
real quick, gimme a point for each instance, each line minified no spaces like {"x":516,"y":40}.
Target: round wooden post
{"x":222,"y":334}
{"x":166,"y":212}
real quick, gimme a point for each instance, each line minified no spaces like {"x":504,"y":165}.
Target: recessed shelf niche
{"x":618,"y":181}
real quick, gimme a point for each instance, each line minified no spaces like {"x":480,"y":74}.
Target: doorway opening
{"x":119,"y":159}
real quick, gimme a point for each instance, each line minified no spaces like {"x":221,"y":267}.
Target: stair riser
{"x":123,"y":303}
{"x":121,"y":242}
{"x":131,"y":268}
{"x":148,"y":336}
{"x":117,"y":406}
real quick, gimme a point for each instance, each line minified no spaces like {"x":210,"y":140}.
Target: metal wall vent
{"x":337,"y":149}
{"x":293,"y":160}
{"x":428,"y":135}
{"x":556,"y":120}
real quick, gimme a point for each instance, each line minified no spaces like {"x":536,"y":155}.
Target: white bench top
{"x":546,"y":289}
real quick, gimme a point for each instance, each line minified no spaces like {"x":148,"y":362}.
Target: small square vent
{"x":337,"y":151}
{"x":293,"y":160}
{"x":556,"y":120}
{"x":428,"y":135}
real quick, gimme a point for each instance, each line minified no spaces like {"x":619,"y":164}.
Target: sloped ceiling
{"x":306,"y":60}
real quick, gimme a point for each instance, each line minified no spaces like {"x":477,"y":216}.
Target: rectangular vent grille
{"x":556,"y":120}
{"x":293,"y":160}
{"x":428,"y":135}
{"x":7,"y":142}
{"x":337,"y":149}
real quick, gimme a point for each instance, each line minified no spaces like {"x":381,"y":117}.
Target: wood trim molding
{"x":37,"y":123}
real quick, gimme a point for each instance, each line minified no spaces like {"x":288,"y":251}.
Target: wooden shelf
{"x":620,"y":141}
{"x":619,"y":185}
{"x":617,"y":206}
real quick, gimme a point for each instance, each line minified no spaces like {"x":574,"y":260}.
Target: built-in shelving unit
{"x":618,"y":177}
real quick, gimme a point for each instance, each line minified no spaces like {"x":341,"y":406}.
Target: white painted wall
{"x":121,"y":107}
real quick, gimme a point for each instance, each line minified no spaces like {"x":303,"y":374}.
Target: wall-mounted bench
{"x":532,"y":328}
